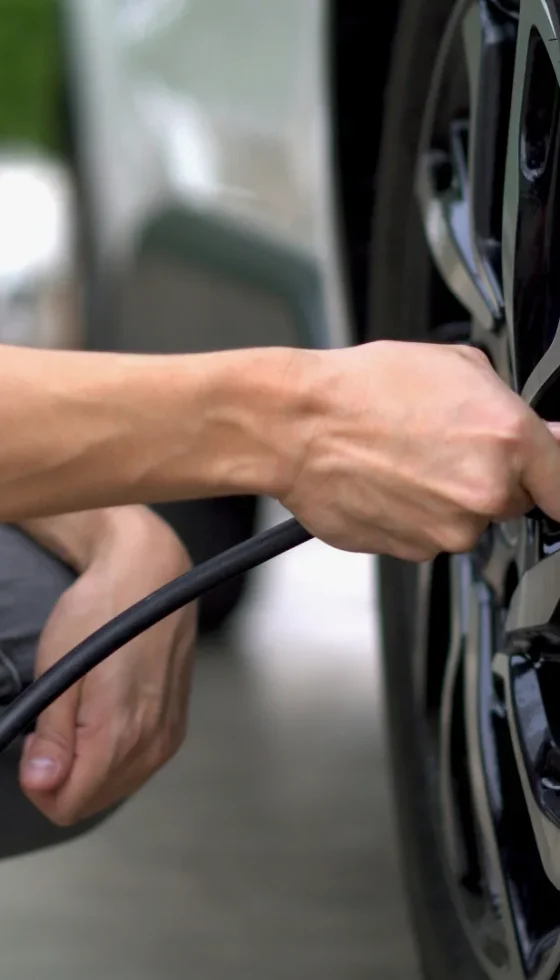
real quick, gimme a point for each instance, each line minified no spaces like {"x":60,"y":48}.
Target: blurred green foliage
{"x":29,"y":71}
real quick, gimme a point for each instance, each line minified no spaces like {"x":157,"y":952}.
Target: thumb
{"x":49,"y":753}
{"x":541,"y":470}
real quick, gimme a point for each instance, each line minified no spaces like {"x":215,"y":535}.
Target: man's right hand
{"x":399,"y":448}
{"x":415,"y":448}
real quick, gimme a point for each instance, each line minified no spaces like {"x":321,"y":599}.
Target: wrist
{"x":136,"y":534}
{"x":87,"y":539}
{"x":261,"y":410}
{"x":74,"y":538}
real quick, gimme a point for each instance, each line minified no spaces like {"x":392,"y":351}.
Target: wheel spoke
{"x":460,"y":839}
{"x":489,"y":43}
{"x":532,"y":743}
{"x":499,"y":558}
{"x":530,"y":239}
{"x":446,"y":222}
{"x":534,"y":610}
{"x":470,"y":797}
{"x":484,"y":770}
{"x":543,"y":377}
{"x":459,"y":190}
{"x":441,"y":190}
{"x":534,"y":618}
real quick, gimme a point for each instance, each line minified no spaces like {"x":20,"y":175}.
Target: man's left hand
{"x":107,"y":736}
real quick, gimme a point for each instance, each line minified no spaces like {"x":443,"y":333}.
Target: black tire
{"x":400,"y":281}
{"x":208,"y":527}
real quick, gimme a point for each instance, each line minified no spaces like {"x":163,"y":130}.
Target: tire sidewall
{"x":400,"y":303}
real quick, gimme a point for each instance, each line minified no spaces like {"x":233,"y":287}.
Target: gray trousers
{"x":31,"y":582}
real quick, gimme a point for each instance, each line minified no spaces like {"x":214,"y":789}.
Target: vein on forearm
{"x":82,"y":431}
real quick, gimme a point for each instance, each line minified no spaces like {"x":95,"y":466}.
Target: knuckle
{"x":53,"y":736}
{"x":416,"y":552}
{"x":489,"y":500}
{"x":127,"y":742}
{"x":165,"y":748}
{"x":423,"y":553}
{"x":63,"y":821}
{"x":496,"y":502}
{"x":170,"y":741}
{"x":459,"y":538}
{"x":65,"y":817}
{"x":473,"y":354}
{"x":149,"y":740}
{"x":515,"y":427}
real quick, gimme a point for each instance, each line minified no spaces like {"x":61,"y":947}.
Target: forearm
{"x":83,"y":431}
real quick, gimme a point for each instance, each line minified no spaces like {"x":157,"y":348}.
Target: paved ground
{"x":265,"y":850}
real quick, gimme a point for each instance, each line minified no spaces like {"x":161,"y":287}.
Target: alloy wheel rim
{"x":488,"y":188}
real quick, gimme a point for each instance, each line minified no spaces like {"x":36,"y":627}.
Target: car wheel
{"x":466,"y":234}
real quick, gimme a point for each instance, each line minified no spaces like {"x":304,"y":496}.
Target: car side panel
{"x":206,"y":131}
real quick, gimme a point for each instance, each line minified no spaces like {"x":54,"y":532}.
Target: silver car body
{"x":206,"y":130}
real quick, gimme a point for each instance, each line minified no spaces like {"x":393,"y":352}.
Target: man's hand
{"x":413,"y":449}
{"x":110,"y":733}
{"x":399,"y":448}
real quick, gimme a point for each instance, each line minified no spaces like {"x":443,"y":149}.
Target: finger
{"x":91,"y":796}
{"x":90,"y":782}
{"x":113,"y":756}
{"x":106,"y":771}
{"x":48,"y":755}
{"x":541,"y":467}
{"x":109,"y":767}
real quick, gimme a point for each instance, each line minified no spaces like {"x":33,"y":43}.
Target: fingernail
{"x":41,"y":770}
